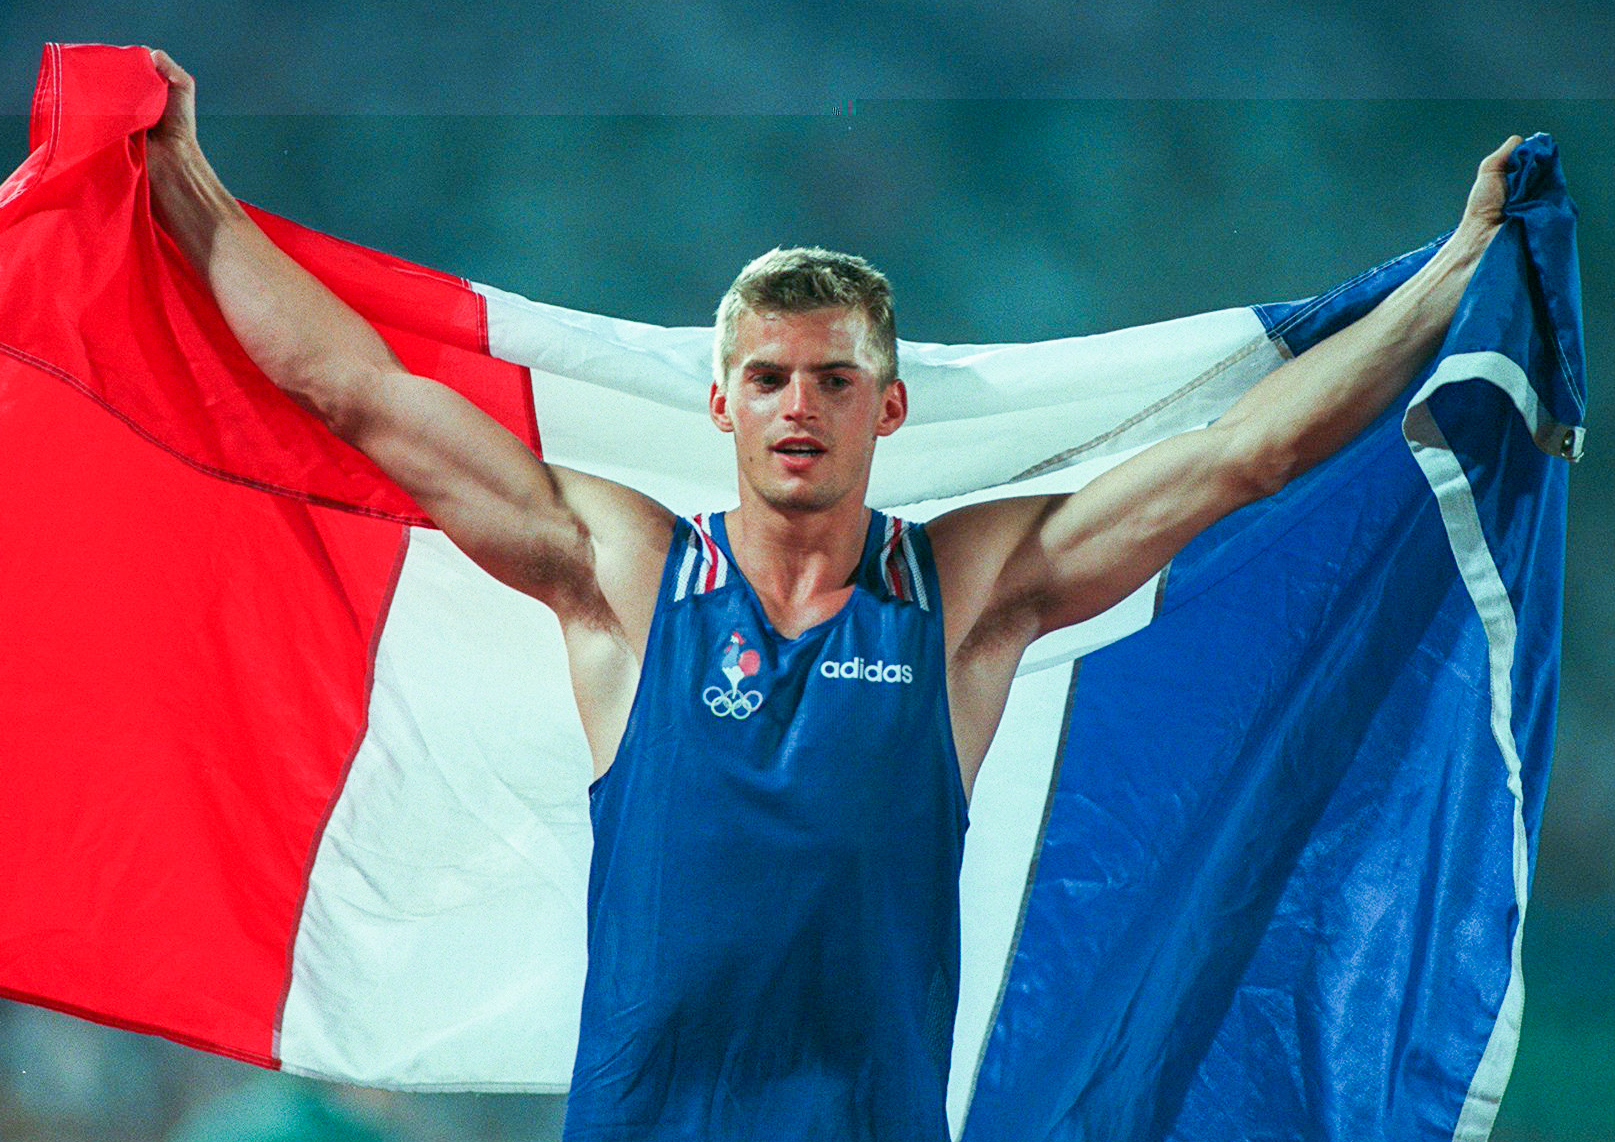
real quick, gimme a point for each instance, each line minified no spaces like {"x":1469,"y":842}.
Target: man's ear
{"x":893,"y":408}
{"x":718,"y":406}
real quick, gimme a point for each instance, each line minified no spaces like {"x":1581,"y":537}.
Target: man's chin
{"x":800,"y":498}
{"x":799,"y":503}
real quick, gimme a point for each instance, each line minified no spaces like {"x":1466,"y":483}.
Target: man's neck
{"x":798,"y":561}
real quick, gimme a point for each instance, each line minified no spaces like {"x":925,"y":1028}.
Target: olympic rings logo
{"x":731,"y":703}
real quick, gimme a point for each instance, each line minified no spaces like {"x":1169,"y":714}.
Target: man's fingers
{"x":169,"y":70}
{"x":1498,"y":159}
{"x":178,"y":123}
{"x":1483,"y":213}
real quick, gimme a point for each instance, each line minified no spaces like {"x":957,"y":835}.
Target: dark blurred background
{"x":1022,"y":170}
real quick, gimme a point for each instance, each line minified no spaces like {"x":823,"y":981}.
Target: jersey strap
{"x":900,"y":563}
{"x":702,"y":565}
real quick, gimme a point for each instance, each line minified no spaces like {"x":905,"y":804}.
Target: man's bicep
{"x":479,"y":482}
{"x":1095,"y":546}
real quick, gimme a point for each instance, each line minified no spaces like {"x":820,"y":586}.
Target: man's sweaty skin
{"x":803,"y":399}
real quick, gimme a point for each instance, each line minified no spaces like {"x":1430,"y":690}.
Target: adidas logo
{"x":858,"y":670}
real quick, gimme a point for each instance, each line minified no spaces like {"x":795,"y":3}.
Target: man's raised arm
{"x":589,"y":548}
{"x":1015,"y":569}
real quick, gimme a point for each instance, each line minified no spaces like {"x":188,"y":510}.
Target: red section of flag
{"x":99,"y":295}
{"x":179,"y":699}
{"x":184,"y":660}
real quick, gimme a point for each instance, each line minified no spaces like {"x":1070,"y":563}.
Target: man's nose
{"x":801,"y":397}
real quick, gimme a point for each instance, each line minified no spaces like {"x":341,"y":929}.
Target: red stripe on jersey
{"x":889,"y":561}
{"x":710,"y":580}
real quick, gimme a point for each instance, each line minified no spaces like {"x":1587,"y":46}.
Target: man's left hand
{"x":1483,"y":213}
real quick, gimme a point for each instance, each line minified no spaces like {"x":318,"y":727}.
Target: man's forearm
{"x":1312,"y":406}
{"x":306,"y":339}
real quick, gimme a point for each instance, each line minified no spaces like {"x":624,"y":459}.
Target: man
{"x":788,"y":703}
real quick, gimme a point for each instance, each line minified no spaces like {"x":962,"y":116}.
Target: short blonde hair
{"x":805,"y":278}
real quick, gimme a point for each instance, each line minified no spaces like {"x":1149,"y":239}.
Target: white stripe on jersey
{"x":914,"y":569}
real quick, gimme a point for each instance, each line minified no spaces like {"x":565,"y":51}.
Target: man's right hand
{"x":176,"y":130}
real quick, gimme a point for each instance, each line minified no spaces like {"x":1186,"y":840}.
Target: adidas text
{"x":877,"y":671}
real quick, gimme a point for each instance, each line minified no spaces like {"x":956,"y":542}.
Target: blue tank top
{"x":774,"y":895}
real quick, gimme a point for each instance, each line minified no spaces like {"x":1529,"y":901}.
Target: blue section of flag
{"x":1276,"y":895}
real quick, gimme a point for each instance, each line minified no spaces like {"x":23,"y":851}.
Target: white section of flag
{"x":628,"y":401}
{"x":1006,"y":817}
{"x":442,"y":942}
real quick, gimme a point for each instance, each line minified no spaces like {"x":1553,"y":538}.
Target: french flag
{"x":287,"y":778}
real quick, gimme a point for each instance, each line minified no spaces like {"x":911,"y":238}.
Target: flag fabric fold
{"x":289,"y":779}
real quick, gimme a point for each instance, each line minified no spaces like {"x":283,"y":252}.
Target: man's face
{"x":803,"y":398}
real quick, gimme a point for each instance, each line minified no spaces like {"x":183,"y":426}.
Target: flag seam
{"x":1026,"y":894}
{"x":50,"y":77}
{"x":135,"y":426}
{"x":1063,"y":459}
{"x":216,"y":1046}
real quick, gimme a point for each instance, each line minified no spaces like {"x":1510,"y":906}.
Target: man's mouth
{"x":799,"y":448}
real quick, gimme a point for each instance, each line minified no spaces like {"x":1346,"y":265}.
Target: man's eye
{"x":836,"y":382}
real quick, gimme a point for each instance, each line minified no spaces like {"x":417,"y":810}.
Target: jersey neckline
{"x":860,"y":576}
